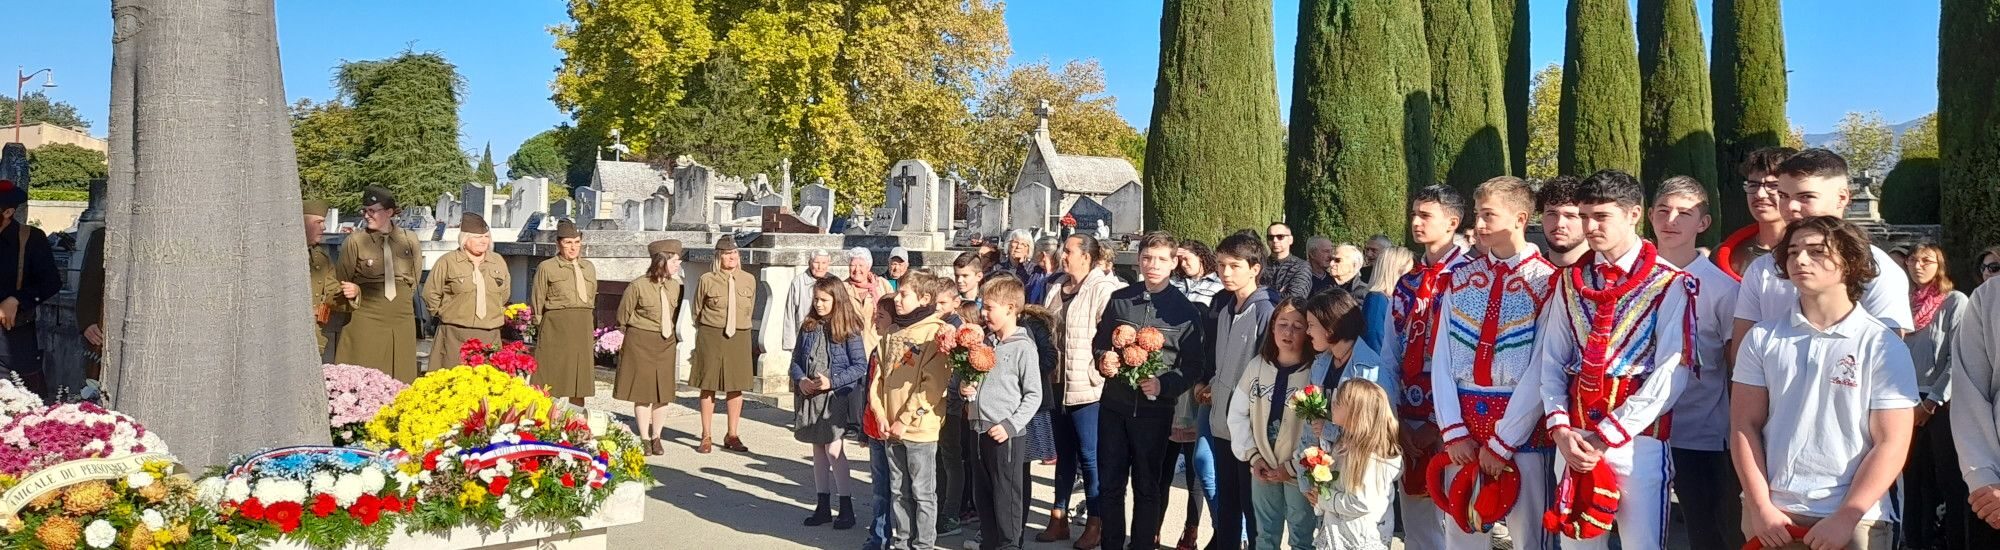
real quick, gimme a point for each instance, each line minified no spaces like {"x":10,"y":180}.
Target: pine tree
{"x":1749,"y":81}
{"x":1468,"y":99}
{"x":1360,"y":124}
{"x":1215,"y":147}
{"x":1677,"y":129}
{"x":1510,"y":33}
{"x":1969,"y":129}
{"x":407,"y":107}
{"x":1600,"y":94}
{"x":486,"y":172}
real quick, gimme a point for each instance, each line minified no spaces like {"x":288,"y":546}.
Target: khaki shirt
{"x":324,"y":286}
{"x":641,"y":310}
{"x":555,"y":286}
{"x":712,"y":299}
{"x":361,"y":262}
{"x":449,"y":291}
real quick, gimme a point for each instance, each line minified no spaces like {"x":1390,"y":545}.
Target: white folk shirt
{"x":1412,"y":312}
{"x":1823,"y":384}
{"x":1655,"y":354}
{"x":1484,"y":349}
{"x":1701,"y":415}
{"x":1765,"y":296}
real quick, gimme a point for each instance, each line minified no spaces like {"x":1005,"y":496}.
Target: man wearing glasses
{"x":1286,"y":273}
{"x":1760,"y":191}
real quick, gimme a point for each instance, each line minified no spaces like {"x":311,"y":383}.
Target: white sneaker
{"x":972,"y":542}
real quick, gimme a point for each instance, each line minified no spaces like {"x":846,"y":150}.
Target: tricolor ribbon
{"x":491,"y":455}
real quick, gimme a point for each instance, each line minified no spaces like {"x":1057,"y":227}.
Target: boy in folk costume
{"x":1612,"y":357}
{"x":1435,"y":212}
{"x":1486,"y":394}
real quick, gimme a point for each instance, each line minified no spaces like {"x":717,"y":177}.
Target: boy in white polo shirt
{"x":1703,"y":478}
{"x":1822,"y":408}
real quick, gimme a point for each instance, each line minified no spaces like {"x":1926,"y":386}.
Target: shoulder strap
{"x":21,"y":259}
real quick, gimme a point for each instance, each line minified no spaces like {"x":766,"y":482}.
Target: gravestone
{"x":692,"y":204}
{"x":1029,"y":207}
{"x":655,"y":213}
{"x":984,"y":214}
{"x":883,"y":222}
{"x":947,"y":205}
{"x":1127,"y":206}
{"x":810,"y":215}
{"x":447,"y":209}
{"x":589,"y":204}
{"x":477,"y":199}
{"x":505,"y":215}
{"x":817,"y":196}
{"x":745,"y":209}
{"x":332,"y":215}
{"x":785,"y":186}
{"x":417,"y":219}
{"x":526,"y":196}
{"x":562,"y":208}
{"x":912,"y":194}
{"x":1090,"y":216}
{"x":632,"y":215}
{"x":530,"y":228}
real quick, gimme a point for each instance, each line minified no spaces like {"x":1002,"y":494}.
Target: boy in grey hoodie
{"x":1236,"y":328}
{"x":998,"y":409}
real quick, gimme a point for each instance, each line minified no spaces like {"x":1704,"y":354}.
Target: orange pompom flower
{"x":971,"y":335}
{"x":981,"y":359}
{"x":1133,"y":356}
{"x":1150,"y":339}
{"x":1123,"y":336}
{"x":947,"y":339}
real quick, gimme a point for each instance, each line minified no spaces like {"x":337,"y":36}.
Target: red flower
{"x":498,"y":486}
{"x":531,"y":465}
{"x":568,"y":479}
{"x":431,"y":459}
{"x":366,"y":510}
{"x":391,"y":504}
{"x":252,"y":509}
{"x":1068,"y":220}
{"x":323,"y":505}
{"x":473,"y":352}
{"x":286,"y":515}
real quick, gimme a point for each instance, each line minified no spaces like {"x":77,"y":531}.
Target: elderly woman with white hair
{"x":864,"y":286}
{"x":798,"y":304}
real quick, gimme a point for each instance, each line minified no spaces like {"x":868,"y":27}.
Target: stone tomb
{"x":817,"y":204}
{"x":913,"y":198}
{"x":985,"y":215}
{"x":1127,"y":206}
{"x":1029,"y":207}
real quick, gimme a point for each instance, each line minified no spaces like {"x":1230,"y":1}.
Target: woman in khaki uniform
{"x":649,"y":314}
{"x":325,"y":286}
{"x":564,"y":297}
{"x":468,"y":291}
{"x":722,"y":340}
{"x":378,"y":270}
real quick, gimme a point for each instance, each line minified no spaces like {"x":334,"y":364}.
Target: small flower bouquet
{"x":1317,"y":466}
{"x":970,"y":358}
{"x":150,"y":507}
{"x":1309,"y":403}
{"x":15,"y":399}
{"x":354,"y":394}
{"x":325,"y":497}
{"x":520,"y":326}
{"x":1139,"y":353}
{"x":511,"y":358}
{"x":61,"y":433}
{"x":609,"y":341}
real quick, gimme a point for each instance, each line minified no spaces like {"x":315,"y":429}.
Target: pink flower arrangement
{"x":353,"y":395}
{"x":15,"y":399}
{"x":52,"y":435}
{"x":610,"y":340}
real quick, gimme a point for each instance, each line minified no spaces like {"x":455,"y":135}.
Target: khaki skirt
{"x":564,"y":351}
{"x":381,"y":334}
{"x":720,"y":363}
{"x":646,"y":367}
{"x":450,"y":337}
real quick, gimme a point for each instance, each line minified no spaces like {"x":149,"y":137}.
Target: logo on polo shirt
{"x":1846,"y":376}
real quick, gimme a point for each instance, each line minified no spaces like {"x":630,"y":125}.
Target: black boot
{"x":846,"y":519}
{"x":820,"y":515}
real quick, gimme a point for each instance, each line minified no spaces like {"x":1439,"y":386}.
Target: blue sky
{"x":1844,"y":55}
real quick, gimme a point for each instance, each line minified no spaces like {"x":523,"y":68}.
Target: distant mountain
{"x":1827,"y":139}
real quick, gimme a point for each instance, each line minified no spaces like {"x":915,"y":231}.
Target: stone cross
{"x":912,"y":195}
{"x":785,"y":181}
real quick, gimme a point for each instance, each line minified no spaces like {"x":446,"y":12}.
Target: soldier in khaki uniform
{"x":323,"y":284}
{"x":468,"y":291}
{"x":564,"y":296}
{"x":648,"y":314}
{"x":722,"y":305}
{"x":378,"y":272}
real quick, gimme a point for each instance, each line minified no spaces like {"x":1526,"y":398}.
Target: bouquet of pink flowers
{"x":520,"y":322}
{"x":609,"y":341}
{"x":353,"y":395}
{"x":970,"y":357}
{"x":52,"y":435}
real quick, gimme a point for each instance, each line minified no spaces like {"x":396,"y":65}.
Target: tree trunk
{"x":1749,"y":80}
{"x":1677,"y":127}
{"x":1969,"y":129}
{"x":1510,"y":33}
{"x":210,"y":340}
{"x":1215,"y":148}
{"x":1361,"y":117}
{"x":1468,"y":96}
{"x":1599,"y":126}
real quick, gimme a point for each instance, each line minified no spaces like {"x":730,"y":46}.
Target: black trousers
{"x":1931,"y":479}
{"x":1002,"y":480}
{"x":1711,"y":498}
{"x":1233,"y":513}
{"x":1128,"y":451}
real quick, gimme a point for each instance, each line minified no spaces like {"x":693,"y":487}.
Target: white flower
{"x":347,"y":490}
{"x":139,"y":480}
{"x":237,"y":490}
{"x":507,"y":505}
{"x":273,"y":491}
{"x":153,"y":520}
{"x":210,"y":490}
{"x":100,"y":534}
{"x":322,"y":483}
{"x":372,"y":480}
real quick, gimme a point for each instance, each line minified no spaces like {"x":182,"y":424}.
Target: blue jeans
{"x":1198,"y":464}
{"x":1076,"y":453}
{"x":878,"y":475}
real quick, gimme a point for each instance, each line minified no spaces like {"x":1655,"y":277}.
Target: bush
{"x":58,"y":195}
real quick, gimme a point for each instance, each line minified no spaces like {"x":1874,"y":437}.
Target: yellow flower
{"x":1322,"y":474}
{"x":1312,"y":452}
{"x":435,"y":405}
{"x":59,"y":533}
{"x":88,"y":498}
{"x":471,"y":494}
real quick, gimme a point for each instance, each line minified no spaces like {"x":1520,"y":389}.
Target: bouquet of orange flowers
{"x":1317,"y":466}
{"x":1309,"y":403}
{"x":1139,"y":353}
{"x":970,"y":357}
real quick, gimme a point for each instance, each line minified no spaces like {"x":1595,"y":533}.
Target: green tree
{"x":1215,"y":154}
{"x":1083,"y":120}
{"x":1865,"y":141}
{"x":65,"y":166}
{"x":1910,"y":193}
{"x":1510,"y":31}
{"x":486,"y":171}
{"x":1360,"y":121}
{"x":37,"y":107}
{"x":407,"y":110}
{"x":1677,"y":126}
{"x":1969,"y":129}
{"x":625,"y":62}
{"x":1600,"y":95}
{"x":541,"y":157}
{"x":327,"y":140}
{"x":1749,"y":88}
{"x":721,"y":122}
{"x":1468,"y":99}
{"x":1544,"y":117}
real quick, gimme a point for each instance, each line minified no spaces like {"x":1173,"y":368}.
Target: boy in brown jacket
{"x":908,"y":388}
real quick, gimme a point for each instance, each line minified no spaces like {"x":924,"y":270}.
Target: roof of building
{"x":1090,"y":175}
{"x":630,"y":180}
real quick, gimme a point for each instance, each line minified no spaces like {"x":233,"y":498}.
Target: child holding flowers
{"x":1353,"y":477}
{"x":828,"y":363}
{"x":1001,"y":399}
{"x":1264,"y":429}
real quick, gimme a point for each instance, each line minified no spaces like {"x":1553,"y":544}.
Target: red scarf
{"x":1592,"y":388}
{"x":1926,"y":301}
{"x":1422,"y":316}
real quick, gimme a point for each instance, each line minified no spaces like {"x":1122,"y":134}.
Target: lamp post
{"x":20,"y":86}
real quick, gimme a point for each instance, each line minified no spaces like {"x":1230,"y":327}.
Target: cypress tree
{"x":1677,"y":133}
{"x":1510,"y":33}
{"x":486,"y":171}
{"x":1468,"y":100}
{"x":1215,"y":147}
{"x":1969,"y":129}
{"x":407,"y":107}
{"x":1599,"y":120}
{"x":1749,"y":89}
{"x":1360,"y":121}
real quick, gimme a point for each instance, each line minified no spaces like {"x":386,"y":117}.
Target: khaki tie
{"x":666,"y":319}
{"x":576,"y":268}
{"x":479,"y":288}
{"x":388,"y":269}
{"x":729,"y":326}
